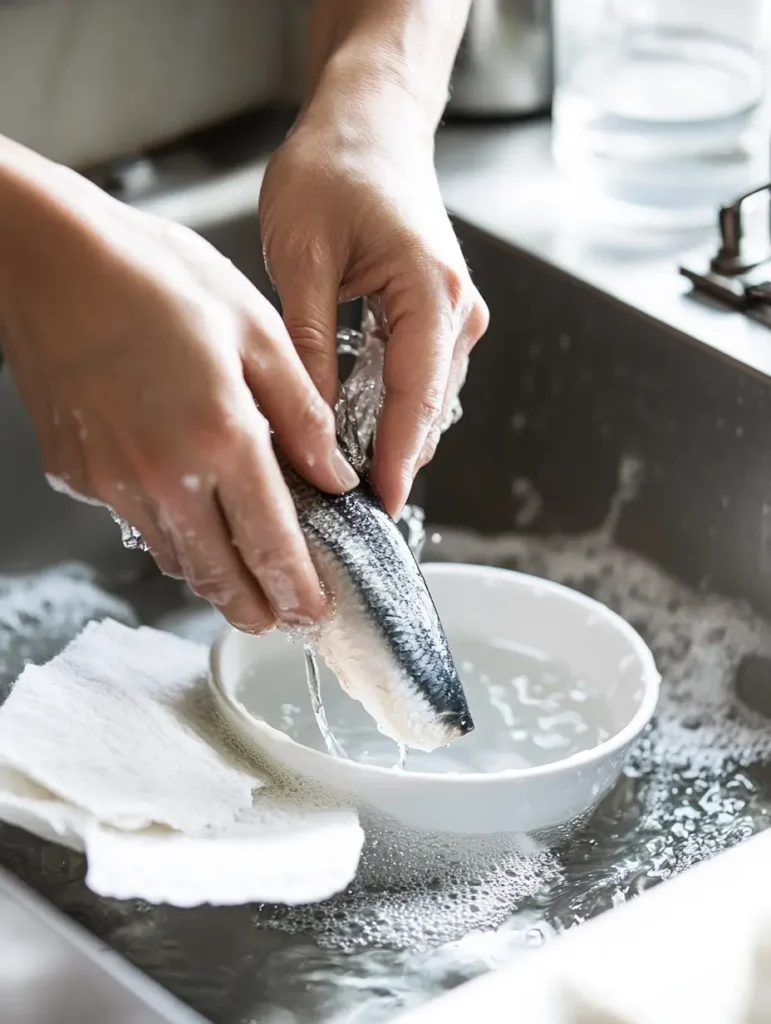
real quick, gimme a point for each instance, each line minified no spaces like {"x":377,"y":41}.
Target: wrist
{"x":375,"y":55}
{"x":366,"y":104}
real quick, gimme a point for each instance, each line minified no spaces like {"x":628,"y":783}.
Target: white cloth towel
{"x":114,"y":747}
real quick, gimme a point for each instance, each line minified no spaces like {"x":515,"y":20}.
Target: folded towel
{"x":114,"y":747}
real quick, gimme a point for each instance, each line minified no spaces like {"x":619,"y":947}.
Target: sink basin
{"x":569,"y":386}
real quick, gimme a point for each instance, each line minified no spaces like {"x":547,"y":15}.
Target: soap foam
{"x":695,"y":784}
{"x":415,"y":890}
{"x":688,"y":792}
{"x":41,"y":613}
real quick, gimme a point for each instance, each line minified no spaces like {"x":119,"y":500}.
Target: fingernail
{"x":255,"y":628}
{"x":343,"y":470}
{"x":295,"y":622}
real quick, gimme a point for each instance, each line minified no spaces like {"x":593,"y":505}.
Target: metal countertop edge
{"x":75,"y":951}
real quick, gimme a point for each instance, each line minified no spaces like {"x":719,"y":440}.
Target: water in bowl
{"x":529,"y":709}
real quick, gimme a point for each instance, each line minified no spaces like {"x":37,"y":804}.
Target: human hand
{"x":350,"y":206}
{"x":140,"y":353}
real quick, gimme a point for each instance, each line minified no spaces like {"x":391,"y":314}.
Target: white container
{"x":485,"y":604}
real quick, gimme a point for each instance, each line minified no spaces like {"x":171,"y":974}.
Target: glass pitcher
{"x":660,"y":105}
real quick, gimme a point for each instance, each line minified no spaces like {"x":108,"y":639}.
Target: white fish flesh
{"x":383,"y":638}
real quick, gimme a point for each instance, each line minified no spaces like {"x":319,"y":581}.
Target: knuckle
{"x":425,"y":406}
{"x":163,"y":481}
{"x":455,"y":285}
{"x":178,"y":471}
{"x":428,"y":406}
{"x":164,"y":474}
{"x":315,"y":419}
{"x":160,"y":476}
{"x":299,"y":248}
{"x":216,"y":587}
{"x":450,"y":284}
{"x":270,"y":557}
{"x":254,"y":435}
{"x":213,"y":433}
{"x":168,"y":563}
{"x":282,"y":566}
{"x":309,"y":249}
{"x":478,"y":319}
{"x":309,"y":335}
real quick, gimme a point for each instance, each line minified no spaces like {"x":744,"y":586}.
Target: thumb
{"x":309,"y":308}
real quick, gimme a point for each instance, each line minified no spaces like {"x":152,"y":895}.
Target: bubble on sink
{"x":40,"y":613}
{"x":696,"y":783}
{"x":682,"y":799}
{"x":416,"y":890}
{"x":530,"y":502}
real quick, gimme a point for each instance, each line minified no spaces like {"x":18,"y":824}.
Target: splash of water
{"x":130,"y":537}
{"x":314,"y":688}
{"x":412,"y":522}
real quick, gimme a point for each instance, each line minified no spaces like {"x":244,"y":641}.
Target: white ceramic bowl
{"x":474,"y":602}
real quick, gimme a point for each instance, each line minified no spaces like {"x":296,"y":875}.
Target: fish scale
{"x":384,"y":640}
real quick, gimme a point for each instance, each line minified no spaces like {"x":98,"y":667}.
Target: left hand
{"x":351,"y":207}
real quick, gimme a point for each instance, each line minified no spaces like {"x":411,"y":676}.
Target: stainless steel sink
{"x":559,"y":392}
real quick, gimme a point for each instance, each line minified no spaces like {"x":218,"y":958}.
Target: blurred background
{"x":658,"y":105}
{"x":85,"y":81}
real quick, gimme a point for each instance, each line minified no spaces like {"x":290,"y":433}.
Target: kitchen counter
{"x":52,"y":972}
{"x":502,"y":179}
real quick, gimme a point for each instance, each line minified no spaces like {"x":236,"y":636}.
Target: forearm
{"x":48,"y":214}
{"x":19,"y":168}
{"x":29,"y":201}
{"x":366,"y":48}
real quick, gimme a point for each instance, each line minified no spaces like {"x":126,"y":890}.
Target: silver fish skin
{"x":383,"y":638}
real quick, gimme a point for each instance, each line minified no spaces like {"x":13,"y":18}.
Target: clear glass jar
{"x":660,"y":108}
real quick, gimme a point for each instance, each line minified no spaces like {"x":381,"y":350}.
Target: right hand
{"x":142,"y":355}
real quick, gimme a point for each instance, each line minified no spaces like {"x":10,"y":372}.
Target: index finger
{"x":415,"y":374}
{"x":262,"y":518}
